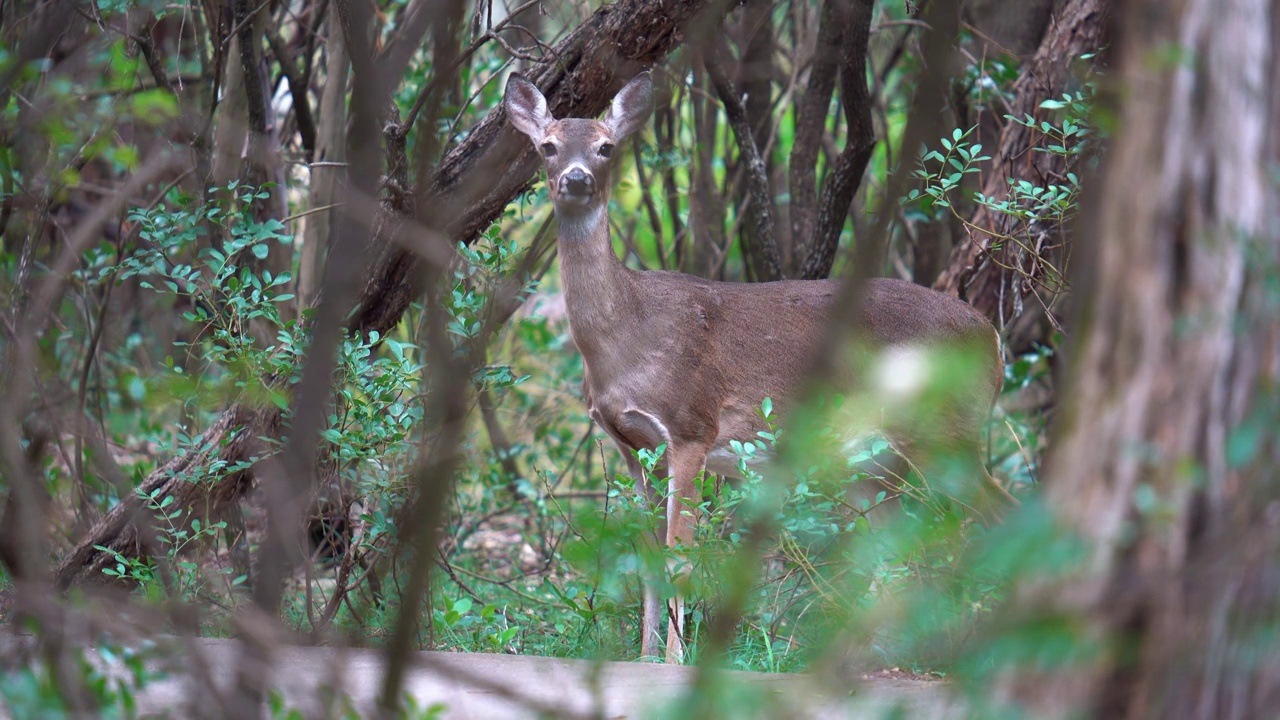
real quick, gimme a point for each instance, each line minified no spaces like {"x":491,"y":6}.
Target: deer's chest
{"x":647,"y":402}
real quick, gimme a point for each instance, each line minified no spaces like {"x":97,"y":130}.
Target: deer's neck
{"x":598,"y":290}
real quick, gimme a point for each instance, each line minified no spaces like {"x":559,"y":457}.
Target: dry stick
{"x":759,"y":106}
{"x":7,"y":189}
{"x":628,"y":237}
{"x":82,"y":395}
{"x":880,"y":89}
{"x":466,"y":529}
{"x":454,"y":569}
{"x":433,"y":481}
{"x":297,"y":91}
{"x":706,"y":208}
{"x":318,"y":9}
{"x":498,"y":439}
{"x":665,"y":135}
{"x":646,"y":195}
{"x":466,"y":105}
{"x":155,"y":63}
{"x":312,"y":395}
{"x":443,"y":563}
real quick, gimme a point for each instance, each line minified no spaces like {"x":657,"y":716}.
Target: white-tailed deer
{"x":671,"y":358}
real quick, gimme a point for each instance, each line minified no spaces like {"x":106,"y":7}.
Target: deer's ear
{"x":527,"y":108}
{"x":631,"y":107}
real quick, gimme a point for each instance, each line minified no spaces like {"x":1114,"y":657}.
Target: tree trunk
{"x":329,"y":155}
{"x":996,"y":281}
{"x":1165,"y":461}
{"x":1011,"y":26}
{"x":845,"y":175}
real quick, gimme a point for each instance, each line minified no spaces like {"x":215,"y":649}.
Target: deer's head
{"x":577,"y":152}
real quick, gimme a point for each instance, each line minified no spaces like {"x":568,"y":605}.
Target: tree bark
{"x":1164,"y":462}
{"x":996,"y":281}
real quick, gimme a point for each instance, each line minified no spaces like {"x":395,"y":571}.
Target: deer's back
{"x":775,"y":328}
{"x":712,"y":351}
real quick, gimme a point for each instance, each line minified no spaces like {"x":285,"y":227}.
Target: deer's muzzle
{"x":577,"y":183}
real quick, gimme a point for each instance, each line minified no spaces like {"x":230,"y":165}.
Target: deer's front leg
{"x":652,"y":618}
{"x":633,"y":429}
{"x":683,"y":499}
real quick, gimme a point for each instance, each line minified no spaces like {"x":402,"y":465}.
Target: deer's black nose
{"x":577,"y":182}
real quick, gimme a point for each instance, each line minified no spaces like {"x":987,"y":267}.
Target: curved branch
{"x":761,"y":225}
{"x":297,"y":90}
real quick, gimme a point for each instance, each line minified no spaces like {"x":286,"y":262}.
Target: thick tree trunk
{"x":1165,"y":461}
{"x":996,"y":281}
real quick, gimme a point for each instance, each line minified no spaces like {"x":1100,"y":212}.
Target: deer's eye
{"x":548,"y":149}
{"x":606,"y":150}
